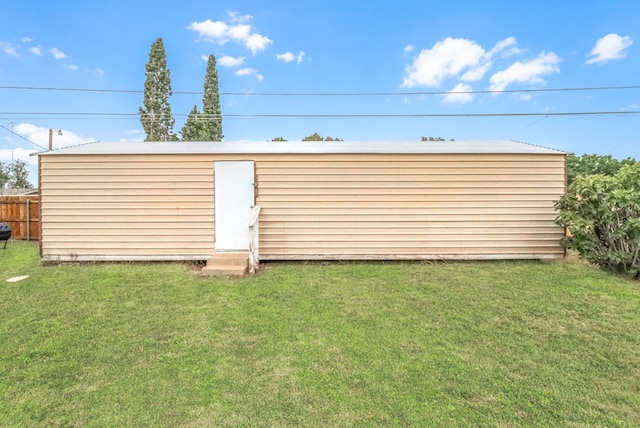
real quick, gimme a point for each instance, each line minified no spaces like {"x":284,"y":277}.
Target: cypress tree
{"x":155,"y":116}
{"x":194,"y":128}
{"x":211,"y":103}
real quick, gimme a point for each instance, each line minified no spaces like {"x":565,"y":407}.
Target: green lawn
{"x":353,"y":344}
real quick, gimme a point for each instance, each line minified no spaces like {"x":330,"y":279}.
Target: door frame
{"x":234,"y":198}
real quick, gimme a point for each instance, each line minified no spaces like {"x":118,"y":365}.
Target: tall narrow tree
{"x":211,"y":102}
{"x":156,"y":116}
{"x":195,"y":127}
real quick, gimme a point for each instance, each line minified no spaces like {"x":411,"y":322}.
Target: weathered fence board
{"x":23,"y":215}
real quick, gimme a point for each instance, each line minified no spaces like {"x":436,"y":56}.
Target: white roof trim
{"x":301,"y":147}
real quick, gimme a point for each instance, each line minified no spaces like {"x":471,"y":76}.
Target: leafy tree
{"x":211,"y":102}
{"x":195,"y":127}
{"x":313,"y":137}
{"x":15,"y":175}
{"x":317,"y":137}
{"x":279,"y":139}
{"x":434,"y":139}
{"x":4,"y":175}
{"x":593,"y":164}
{"x":19,"y":175}
{"x":602,"y":214}
{"x":156,"y":116}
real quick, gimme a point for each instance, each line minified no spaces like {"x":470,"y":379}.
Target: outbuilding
{"x":133,"y":201}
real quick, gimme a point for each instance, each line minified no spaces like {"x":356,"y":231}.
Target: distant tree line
{"x":423,"y":138}
{"x":156,"y":116}
{"x":317,"y":137}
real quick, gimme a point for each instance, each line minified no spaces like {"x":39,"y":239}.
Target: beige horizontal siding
{"x":313,"y":206}
{"x":127,"y":207}
{"x":410,"y":206}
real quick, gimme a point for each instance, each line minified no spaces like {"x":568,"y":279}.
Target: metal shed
{"x":319,"y":200}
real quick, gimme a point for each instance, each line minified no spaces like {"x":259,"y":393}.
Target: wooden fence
{"x":23,"y":215}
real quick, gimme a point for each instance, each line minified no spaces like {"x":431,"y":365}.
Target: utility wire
{"x":108,"y":115}
{"x":329,"y":94}
{"x":24,"y":138}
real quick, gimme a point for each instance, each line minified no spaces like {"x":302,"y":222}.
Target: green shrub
{"x":594,"y":164}
{"x":602,"y":214}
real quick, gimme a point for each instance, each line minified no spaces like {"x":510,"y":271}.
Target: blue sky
{"x":401,"y":48}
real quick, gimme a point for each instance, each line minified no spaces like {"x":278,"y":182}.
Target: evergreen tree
{"x":195,"y":128}
{"x":211,"y":103}
{"x":155,"y":116}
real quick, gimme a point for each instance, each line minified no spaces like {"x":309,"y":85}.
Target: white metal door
{"x":234,"y":200}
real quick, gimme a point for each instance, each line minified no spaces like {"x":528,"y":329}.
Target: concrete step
{"x":221,"y":271}
{"x":226,"y":264}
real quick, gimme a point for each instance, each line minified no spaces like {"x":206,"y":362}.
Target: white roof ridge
{"x":301,"y":147}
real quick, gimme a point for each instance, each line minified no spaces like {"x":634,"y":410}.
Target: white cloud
{"x":290,"y":57}
{"x":26,"y":39}
{"x":236,"y":29}
{"x":458,"y":96}
{"x":526,"y":72}
{"x":235,"y":16}
{"x":257,"y":42}
{"x":408,"y":48}
{"x":57,"y":53}
{"x":286,"y":57}
{"x":249,"y":72}
{"x":446,"y":58}
{"x":506,"y":47}
{"x":239,"y":32}
{"x":71,"y":67}
{"x":40,"y":136}
{"x":245,"y":72}
{"x":36,"y":50}
{"x":610,"y":47}
{"x":631,"y":107}
{"x":212,"y":31}
{"x":19,"y":153}
{"x":476,"y":73}
{"x":502,"y":45}
{"x":451,"y":57}
{"x":8,"y":49}
{"x":229,"y":61}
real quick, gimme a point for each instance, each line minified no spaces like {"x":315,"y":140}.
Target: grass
{"x":353,"y":344}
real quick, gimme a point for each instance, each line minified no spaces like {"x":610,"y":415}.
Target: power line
{"x":24,"y":138}
{"x":330,"y":94}
{"x":110,"y":115}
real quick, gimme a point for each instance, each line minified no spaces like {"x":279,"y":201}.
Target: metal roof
{"x":299,"y":147}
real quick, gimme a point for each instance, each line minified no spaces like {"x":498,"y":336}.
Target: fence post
{"x":28,"y":220}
